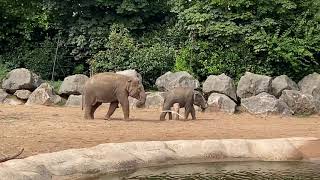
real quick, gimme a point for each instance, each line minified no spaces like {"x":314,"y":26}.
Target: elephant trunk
{"x":142,"y":99}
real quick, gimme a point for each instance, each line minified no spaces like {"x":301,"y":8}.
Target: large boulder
{"x":3,"y":95}
{"x":58,"y":100}
{"x":265,"y":103}
{"x":300,"y":103}
{"x":171,"y":80}
{"x":220,"y":102}
{"x":20,"y":79}
{"x":153,"y":100}
{"x":311,"y":85}
{"x":13,"y":100}
{"x":222,"y":84}
{"x":73,"y":85}
{"x":22,"y":94}
{"x":74,"y":100}
{"x":253,"y":84}
{"x":281,"y":83}
{"x":43,"y":95}
{"x":131,"y":73}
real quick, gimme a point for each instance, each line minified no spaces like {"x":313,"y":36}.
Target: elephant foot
{"x":88,"y":117}
{"x":106,"y":117}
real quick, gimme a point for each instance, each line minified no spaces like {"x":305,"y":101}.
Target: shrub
{"x":55,"y":84}
{"x":3,"y":71}
{"x":122,"y":52}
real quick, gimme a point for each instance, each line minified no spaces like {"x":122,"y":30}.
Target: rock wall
{"x":114,"y":157}
{"x":256,"y":94}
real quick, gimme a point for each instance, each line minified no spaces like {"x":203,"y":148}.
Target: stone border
{"x":114,"y":157}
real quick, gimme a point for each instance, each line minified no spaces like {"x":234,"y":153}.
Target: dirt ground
{"x":41,"y":129}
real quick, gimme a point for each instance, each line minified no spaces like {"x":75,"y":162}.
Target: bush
{"x":153,"y":62}
{"x":124,"y":53}
{"x":39,"y":58}
{"x":55,"y":84}
{"x":183,"y":61}
{"x":3,"y":71}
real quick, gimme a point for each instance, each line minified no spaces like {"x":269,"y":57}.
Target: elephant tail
{"x":82,"y":102}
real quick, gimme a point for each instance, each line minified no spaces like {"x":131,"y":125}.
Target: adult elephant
{"x":114,"y":89}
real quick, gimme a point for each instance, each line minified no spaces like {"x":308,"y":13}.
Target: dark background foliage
{"x":202,"y":37}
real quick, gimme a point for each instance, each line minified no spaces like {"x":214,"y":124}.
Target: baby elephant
{"x":186,"y":97}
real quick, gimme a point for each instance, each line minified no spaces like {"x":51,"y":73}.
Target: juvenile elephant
{"x":114,"y":89}
{"x":186,"y":97}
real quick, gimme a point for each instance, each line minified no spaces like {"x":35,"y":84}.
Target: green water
{"x":225,"y":171}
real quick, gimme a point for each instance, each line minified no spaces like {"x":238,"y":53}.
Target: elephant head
{"x":199,"y":100}
{"x":136,"y":90}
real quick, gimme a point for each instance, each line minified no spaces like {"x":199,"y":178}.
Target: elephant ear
{"x":198,"y":97}
{"x":128,"y":83}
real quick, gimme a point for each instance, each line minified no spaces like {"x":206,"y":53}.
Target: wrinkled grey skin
{"x":186,"y":97}
{"x":114,"y":89}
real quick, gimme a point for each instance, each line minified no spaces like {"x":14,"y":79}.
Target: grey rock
{"x":265,"y":103}
{"x":74,"y":100}
{"x":220,"y":102}
{"x":43,"y":95}
{"x":13,"y":100}
{"x":281,"y":83}
{"x":21,"y":79}
{"x":3,"y":95}
{"x":311,"y":85}
{"x":22,"y":94}
{"x":300,"y":103}
{"x":131,"y":73}
{"x":171,"y":80}
{"x":58,"y":100}
{"x":222,"y":84}
{"x":253,"y":84}
{"x":153,"y":100}
{"x":73,"y":84}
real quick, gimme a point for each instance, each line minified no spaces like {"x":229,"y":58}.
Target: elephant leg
{"x":87,"y":113}
{"x":187,"y":112}
{"x":163,"y":116}
{"x":113,"y":106}
{"x":94,"y":108}
{"x":125,"y":108}
{"x":177,"y":116}
{"x":193,"y":113}
{"x":88,"y":101}
{"x":166,"y":107}
{"x":170,"y":115}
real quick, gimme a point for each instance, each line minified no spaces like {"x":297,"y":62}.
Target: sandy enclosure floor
{"x":41,"y":129}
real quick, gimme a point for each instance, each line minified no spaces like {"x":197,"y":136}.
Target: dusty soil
{"x":41,"y":129}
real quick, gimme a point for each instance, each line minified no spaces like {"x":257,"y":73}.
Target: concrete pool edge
{"x":114,"y":157}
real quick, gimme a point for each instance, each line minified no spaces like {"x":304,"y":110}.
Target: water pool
{"x":224,"y":171}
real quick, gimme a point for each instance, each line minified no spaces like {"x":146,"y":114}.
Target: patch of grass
{"x":55,"y":84}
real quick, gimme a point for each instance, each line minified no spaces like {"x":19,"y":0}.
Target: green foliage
{"x":118,"y":50}
{"x":183,"y":61}
{"x":202,"y":37}
{"x":268,"y":37}
{"x":39,"y":58}
{"x":3,"y":71}
{"x":55,"y":84}
{"x":122,"y":52}
{"x":152,"y":62}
